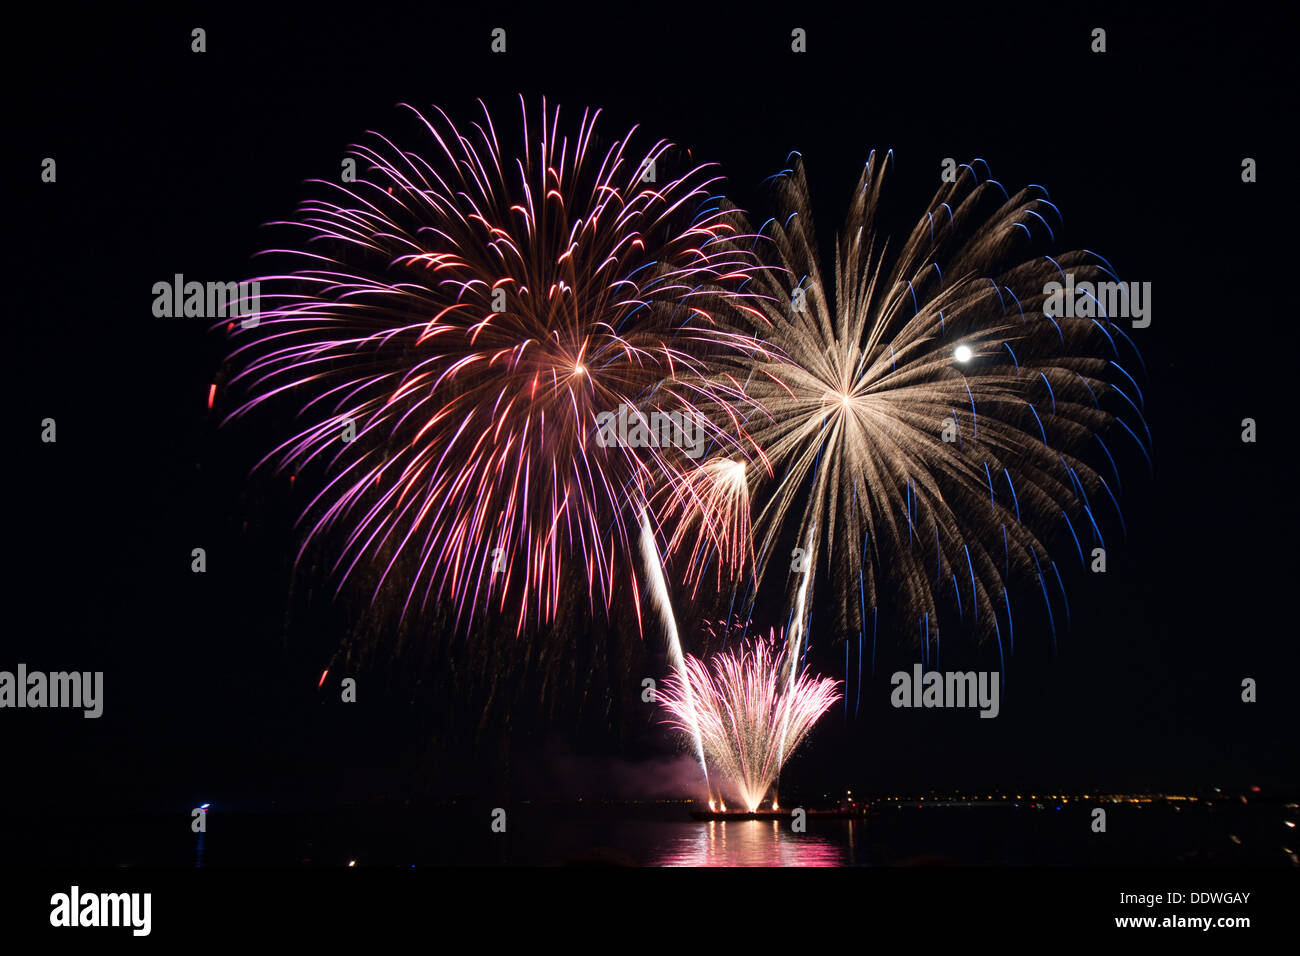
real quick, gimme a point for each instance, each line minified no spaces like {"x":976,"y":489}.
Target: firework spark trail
{"x":469,"y":312}
{"x":750,"y":719}
{"x":663,"y":604}
{"x":927,"y":416}
{"x":799,"y":621}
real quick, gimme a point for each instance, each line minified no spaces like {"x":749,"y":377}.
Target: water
{"x":651,"y":835}
{"x":755,"y":843}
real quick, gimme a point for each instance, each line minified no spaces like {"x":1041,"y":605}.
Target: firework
{"x":708,"y":509}
{"x":658,"y":587}
{"x":452,"y":325}
{"x":749,"y":717}
{"x":932,"y":431}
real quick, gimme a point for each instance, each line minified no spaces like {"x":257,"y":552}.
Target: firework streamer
{"x":658,"y":587}
{"x":451,"y":327}
{"x":932,"y":430}
{"x":800,"y":615}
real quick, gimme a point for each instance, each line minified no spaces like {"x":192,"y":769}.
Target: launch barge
{"x":858,"y":812}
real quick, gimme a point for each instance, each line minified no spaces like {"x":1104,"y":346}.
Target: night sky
{"x":171,"y":162}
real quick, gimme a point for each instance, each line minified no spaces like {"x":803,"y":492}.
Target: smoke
{"x":674,"y":777}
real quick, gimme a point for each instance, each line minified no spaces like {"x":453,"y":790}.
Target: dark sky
{"x":171,"y":162}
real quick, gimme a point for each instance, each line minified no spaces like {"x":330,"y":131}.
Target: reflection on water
{"x":755,"y":843}
{"x":622,"y":835}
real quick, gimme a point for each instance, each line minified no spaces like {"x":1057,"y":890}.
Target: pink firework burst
{"x":749,"y":717}
{"x":453,"y":325}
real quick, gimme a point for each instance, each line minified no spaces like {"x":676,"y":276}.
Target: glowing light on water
{"x":752,"y":843}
